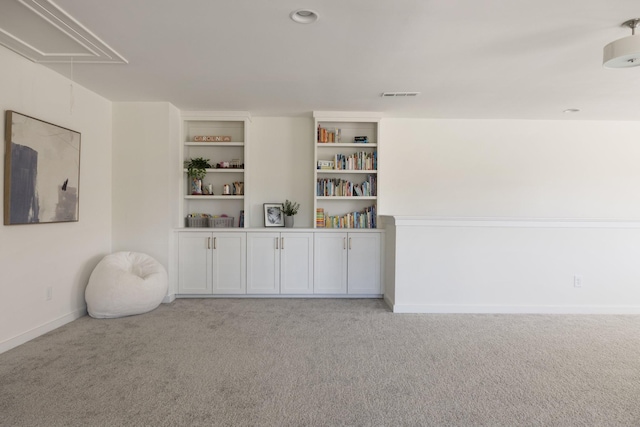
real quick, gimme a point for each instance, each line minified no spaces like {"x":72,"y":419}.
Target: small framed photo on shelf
{"x":273,"y":215}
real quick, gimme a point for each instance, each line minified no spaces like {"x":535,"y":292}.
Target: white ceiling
{"x":489,"y":59}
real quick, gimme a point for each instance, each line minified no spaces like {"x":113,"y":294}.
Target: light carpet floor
{"x":317,"y":362}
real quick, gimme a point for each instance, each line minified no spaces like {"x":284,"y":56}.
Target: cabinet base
{"x":379,"y":296}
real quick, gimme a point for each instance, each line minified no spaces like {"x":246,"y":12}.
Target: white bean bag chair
{"x":124,"y":284}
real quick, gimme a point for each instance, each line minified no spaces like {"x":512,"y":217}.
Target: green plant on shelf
{"x":197,"y":167}
{"x":291,"y":208}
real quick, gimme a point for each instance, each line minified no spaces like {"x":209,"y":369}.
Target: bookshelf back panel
{"x":218,"y":180}
{"x":231,"y":207}
{"x":193,"y":128}
{"x":349,"y":130}
{"x":214,"y":154}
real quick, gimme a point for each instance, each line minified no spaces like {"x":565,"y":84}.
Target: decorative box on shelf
{"x":326,"y":164}
{"x":211,"y":138}
{"x":221,"y":222}
{"x":208,"y":221}
{"x":197,"y":221}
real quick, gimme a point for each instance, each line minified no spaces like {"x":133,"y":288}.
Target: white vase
{"x":288,"y":221}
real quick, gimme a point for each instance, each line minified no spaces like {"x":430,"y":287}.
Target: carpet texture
{"x":314,"y":362}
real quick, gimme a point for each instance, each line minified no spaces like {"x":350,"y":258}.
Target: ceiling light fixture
{"x":624,"y":52}
{"x":304,"y":16}
{"x":571,"y":110}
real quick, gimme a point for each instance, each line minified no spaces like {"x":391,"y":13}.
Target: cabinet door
{"x":330,"y":263}
{"x":296,"y":261}
{"x":364,"y":263}
{"x":229,"y":263}
{"x":263,"y":263}
{"x":194,"y":263}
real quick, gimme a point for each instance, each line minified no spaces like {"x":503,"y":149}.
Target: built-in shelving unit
{"x":228,"y":160}
{"x":346,"y":169}
{"x":258,"y":261}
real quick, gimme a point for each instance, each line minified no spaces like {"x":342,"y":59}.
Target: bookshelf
{"x":346,"y":170}
{"x":254,"y":260}
{"x":221,"y":138}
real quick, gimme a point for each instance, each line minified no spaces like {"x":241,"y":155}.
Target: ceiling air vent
{"x":390,"y":94}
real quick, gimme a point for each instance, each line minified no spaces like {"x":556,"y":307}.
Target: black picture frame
{"x":273,"y":215}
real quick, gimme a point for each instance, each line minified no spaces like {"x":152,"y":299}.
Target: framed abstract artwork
{"x":41,"y":171}
{"x":273,"y":215}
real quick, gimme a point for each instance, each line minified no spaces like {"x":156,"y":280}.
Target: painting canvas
{"x":42,"y":171}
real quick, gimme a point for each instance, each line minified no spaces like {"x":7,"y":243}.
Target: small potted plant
{"x":197,"y":169}
{"x":290,"y":209}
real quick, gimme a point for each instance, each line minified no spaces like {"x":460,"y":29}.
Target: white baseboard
{"x":41,"y":330}
{"x":299,"y":296}
{"x":168,"y":299}
{"x":516,"y":309}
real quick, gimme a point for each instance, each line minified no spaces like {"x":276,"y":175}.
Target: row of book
{"x":356,"y":161}
{"x":366,"y":218}
{"x":325,"y":135}
{"x":343,"y":188}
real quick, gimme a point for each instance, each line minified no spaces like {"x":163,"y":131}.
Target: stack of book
{"x":319,"y":218}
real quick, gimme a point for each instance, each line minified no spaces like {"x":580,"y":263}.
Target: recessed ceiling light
{"x":304,"y":16}
{"x":571,"y":110}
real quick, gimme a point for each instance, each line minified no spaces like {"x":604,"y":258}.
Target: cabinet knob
{"x":349,"y":243}
{"x":277,"y":243}
{"x":215,"y":243}
{"x":344,"y":243}
{"x":208,"y":242}
{"x":282,"y":242}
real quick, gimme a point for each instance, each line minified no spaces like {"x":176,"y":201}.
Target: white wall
{"x":512,"y":170}
{"x":146,"y":178}
{"x":34,"y":257}
{"x":516,"y":266}
{"x":281,"y":166}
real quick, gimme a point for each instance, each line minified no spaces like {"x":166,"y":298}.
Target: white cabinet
{"x":364,"y":263}
{"x":330,"y":263}
{"x":211,"y":263}
{"x":225,"y":151}
{"x":229,"y":266}
{"x":279,"y":263}
{"x":346,"y":170}
{"x":347,"y":263}
{"x":194,"y":263}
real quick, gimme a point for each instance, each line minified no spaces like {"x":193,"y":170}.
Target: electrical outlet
{"x":49,"y":293}
{"x":577,"y":281}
